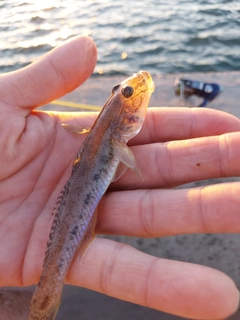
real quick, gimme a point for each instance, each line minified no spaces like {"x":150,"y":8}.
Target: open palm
{"x":36,"y":156}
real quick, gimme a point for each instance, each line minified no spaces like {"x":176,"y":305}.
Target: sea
{"x":160,"y":36}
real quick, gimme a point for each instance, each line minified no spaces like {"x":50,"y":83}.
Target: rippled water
{"x":160,"y":36}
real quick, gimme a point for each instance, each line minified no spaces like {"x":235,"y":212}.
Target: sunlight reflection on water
{"x":160,"y":36}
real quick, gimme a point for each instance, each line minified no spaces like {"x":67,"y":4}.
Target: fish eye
{"x":114,"y":89}
{"x":127,"y":91}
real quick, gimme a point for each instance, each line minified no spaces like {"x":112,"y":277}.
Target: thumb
{"x":55,"y":74}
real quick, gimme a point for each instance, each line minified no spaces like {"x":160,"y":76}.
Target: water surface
{"x":160,"y":36}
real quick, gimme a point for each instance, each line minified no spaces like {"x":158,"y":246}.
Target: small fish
{"x":103,"y":158}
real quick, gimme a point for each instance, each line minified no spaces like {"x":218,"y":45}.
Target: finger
{"x":165,"y":124}
{"x":156,"y":213}
{"x":183,"y":289}
{"x":57,"y":73}
{"x":178,"y":162}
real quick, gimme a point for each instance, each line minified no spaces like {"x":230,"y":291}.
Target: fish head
{"x":133,"y":96}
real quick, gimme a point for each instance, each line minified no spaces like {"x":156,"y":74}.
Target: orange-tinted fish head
{"x":134,"y":94}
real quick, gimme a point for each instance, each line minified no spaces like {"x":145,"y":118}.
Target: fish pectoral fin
{"x":125,"y":155}
{"x":119,"y":172}
{"x":74,"y":130}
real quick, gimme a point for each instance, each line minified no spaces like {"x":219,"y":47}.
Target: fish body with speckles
{"x":97,"y":164}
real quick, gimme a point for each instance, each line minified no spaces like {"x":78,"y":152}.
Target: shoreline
{"x":96,"y":90}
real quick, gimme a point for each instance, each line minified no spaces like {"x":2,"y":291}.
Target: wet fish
{"x":103,"y":158}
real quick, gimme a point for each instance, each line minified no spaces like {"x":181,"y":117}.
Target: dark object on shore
{"x":186,"y":88}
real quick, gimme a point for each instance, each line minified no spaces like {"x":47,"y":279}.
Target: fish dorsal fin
{"x":60,"y":197}
{"x":125,"y":155}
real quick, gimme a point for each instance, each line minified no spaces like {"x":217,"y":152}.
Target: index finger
{"x":166,"y":124}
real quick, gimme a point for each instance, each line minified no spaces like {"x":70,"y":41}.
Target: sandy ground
{"x":217,"y":251}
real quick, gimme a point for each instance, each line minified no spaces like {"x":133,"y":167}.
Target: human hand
{"x":36,"y":159}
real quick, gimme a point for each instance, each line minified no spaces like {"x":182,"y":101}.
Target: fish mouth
{"x":141,"y":81}
{"x":148,"y":79}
